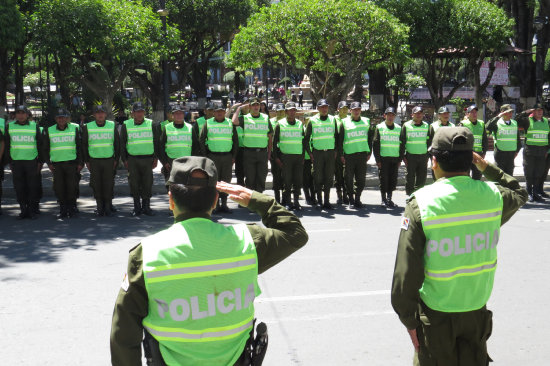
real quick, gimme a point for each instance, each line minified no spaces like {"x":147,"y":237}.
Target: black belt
{"x":219,"y":153}
{"x":112,"y":157}
{"x":140,"y":156}
{"x":257,"y":149}
{"x":325,"y":150}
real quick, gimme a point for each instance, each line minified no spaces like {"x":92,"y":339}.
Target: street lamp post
{"x":540,"y":23}
{"x":163,"y":12}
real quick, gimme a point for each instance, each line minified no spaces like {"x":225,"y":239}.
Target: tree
{"x":11,"y":38}
{"x":107,"y":38}
{"x":334,"y":41}
{"x":450,"y":36}
{"x":402,"y":85}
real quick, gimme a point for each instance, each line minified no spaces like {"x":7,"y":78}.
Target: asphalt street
{"x":328,"y":304}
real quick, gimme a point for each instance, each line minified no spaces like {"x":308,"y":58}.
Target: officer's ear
{"x":171,"y":203}
{"x":435,"y":164}
{"x":216,"y":200}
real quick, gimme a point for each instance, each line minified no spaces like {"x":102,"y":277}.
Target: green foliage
{"x":12,"y":29}
{"x":405,"y":83}
{"x":33,"y":80}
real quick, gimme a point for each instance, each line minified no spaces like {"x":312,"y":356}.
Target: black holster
{"x":152,"y":350}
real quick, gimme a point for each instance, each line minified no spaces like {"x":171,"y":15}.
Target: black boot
{"x":62,"y":211}
{"x":33,"y":210}
{"x":107,"y":208}
{"x":530,"y":192}
{"x":72,"y":210}
{"x":345,"y":196}
{"x":319,"y":201}
{"x":137,"y":207}
{"x":100,"y":209}
{"x":384,"y":199}
{"x":339,"y":200}
{"x":389,"y":201}
{"x":146,"y":207}
{"x":286,"y":201}
{"x":326,"y":203}
{"x":223,"y":208}
{"x":296,"y":203}
{"x":277,"y":196}
{"x":350,"y":200}
{"x":24,"y":211}
{"x":357,"y":202}
{"x":309,"y":201}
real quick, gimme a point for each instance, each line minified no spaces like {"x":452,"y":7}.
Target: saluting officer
{"x":339,"y":179}
{"x":138,"y":155}
{"x":507,"y":141}
{"x":23,"y":144}
{"x":198,"y":262}
{"x":321,"y":131}
{"x":276,"y":171}
{"x":354,"y":147}
{"x":239,"y":160}
{"x":177,"y":139}
{"x":219,"y":142}
{"x":414,"y":147}
{"x":257,"y":141}
{"x":481,"y":143}
{"x":289,"y":154}
{"x":63,"y":153}
{"x":388,"y":155}
{"x":101,"y":148}
{"x":447,"y":253}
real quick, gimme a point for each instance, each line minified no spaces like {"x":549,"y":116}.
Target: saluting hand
{"x":479,"y":162}
{"x":236,"y":193}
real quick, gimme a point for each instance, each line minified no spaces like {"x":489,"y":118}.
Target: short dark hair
{"x":193,"y":199}
{"x":453,"y":161}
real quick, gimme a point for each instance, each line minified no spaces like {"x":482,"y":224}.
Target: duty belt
{"x":219,"y":152}
{"x":325,"y":150}
{"x":257,"y":149}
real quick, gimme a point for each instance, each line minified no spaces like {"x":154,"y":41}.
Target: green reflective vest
{"x":240,"y":135}
{"x":389,"y":140}
{"x":537,"y":134}
{"x":322,"y":132}
{"x":200,"y":122}
{"x":140,"y":137}
{"x":437,"y":124}
{"x":506,"y":136}
{"x":356,"y":135}
{"x":306,"y":155}
{"x":62,"y":143}
{"x":291,"y":137}
{"x":201,"y":282}
{"x":477,"y":130}
{"x":101,"y":140}
{"x":23,"y":141}
{"x":179,"y":141}
{"x":461,"y":219}
{"x":219,"y":137}
{"x":256,"y":130}
{"x":164,"y":123}
{"x":417,"y":138}
{"x":2,"y":126}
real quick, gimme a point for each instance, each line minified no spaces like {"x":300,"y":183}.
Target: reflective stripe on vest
{"x":291,"y":137}
{"x":356,"y":135}
{"x":506,"y":136}
{"x":437,"y":124}
{"x":140,"y":137}
{"x":23,"y":141}
{"x":477,"y":130}
{"x":537,"y":134}
{"x":101,"y":140}
{"x":219,"y":136}
{"x":389,"y":140}
{"x":461,"y":220}
{"x":322,"y":133}
{"x":256,"y":130}
{"x":200,"y":308}
{"x":179,"y":141}
{"x":417,"y":138}
{"x":62,"y":143}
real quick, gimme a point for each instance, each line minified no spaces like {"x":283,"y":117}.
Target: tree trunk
{"x":5,"y":68}
{"x":19,"y":92}
{"x":199,"y":74}
{"x":61,"y":81}
{"x":358,"y":89}
{"x":332,"y":87}
{"x":377,"y":89}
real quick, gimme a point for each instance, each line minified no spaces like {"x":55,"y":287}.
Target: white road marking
{"x":322,"y":296}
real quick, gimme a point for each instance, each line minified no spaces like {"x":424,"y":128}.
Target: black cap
{"x":471,"y":108}
{"x":219,"y":107}
{"x":280,"y":107}
{"x":322,"y":103}
{"x":62,"y":112}
{"x":182,"y":168}
{"x":390,"y":110}
{"x":417,"y":109}
{"x":355,"y":105}
{"x":21,"y":108}
{"x":453,"y":139}
{"x":138,"y":106}
{"x":342,"y":104}
{"x":290,"y":105}
{"x":100,"y":108}
{"x":538,"y":106}
{"x":253,"y":101}
{"x":443,"y":110}
{"x":178,"y":108}
{"x":209,"y":106}
{"x":245,"y":99}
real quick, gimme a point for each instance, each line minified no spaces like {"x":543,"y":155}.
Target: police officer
{"x":322,"y":133}
{"x":219,"y":142}
{"x":177,"y":139}
{"x":209,"y":304}
{"x":447,"y":256}
{"x":289,"y":155}
{"x":507,"y":141}
{"x":2,"y":157}
{"x":63,"y":153}
{"x":23,"y":145}
{"x":138,"y":154}
{"x":239,"y":160}
{"x":208,"y":112}
{"x":387,"y":153}
{"x":257,"y":141}
{"x":414,"y":147}
{"x":101,"y":148}
{"x":339,"y":181}
{"x":309,"y":187}
{"x":354,"y":147}
{"x":443,"y":115}
{"x":481,"y":143}
{"x":276,"y":171}
{"x":537,"y":141}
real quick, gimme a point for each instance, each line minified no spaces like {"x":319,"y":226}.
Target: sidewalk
{"x":122,"y":188}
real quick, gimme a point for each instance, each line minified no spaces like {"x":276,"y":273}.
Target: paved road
{"x":326,"y":305}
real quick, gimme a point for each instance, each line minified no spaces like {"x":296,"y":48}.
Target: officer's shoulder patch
{"x":405,"y":223}
{"x":125,"y":283}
